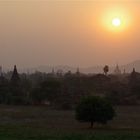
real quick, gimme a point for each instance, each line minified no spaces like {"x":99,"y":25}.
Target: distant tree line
{"x":63,"y":91}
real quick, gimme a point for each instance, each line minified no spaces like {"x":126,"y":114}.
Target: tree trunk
{"x":91,"y":124}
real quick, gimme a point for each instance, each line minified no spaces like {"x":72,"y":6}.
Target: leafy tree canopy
{"x":94,"y":110}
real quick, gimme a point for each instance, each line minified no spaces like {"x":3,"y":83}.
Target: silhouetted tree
{"x":134,"y":83}
{"x":37,"y":96}
{"x":48,"y":90}
{"x":4,"y":90}
{"x":106,"y":69}
{"x":117,"y":92}
{"x":51,"y":89}
{"x":94,"y":109}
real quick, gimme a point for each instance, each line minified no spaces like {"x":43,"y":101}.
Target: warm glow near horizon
{"x":116,"y":20}
{"x":77,"y":33}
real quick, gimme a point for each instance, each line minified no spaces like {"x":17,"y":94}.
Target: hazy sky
{"x":77,"y":33}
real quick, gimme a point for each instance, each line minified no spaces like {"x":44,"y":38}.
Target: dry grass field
{"x":40,"y":123}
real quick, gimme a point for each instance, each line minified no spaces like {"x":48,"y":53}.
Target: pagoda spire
{"x":78,"y":71}
{"x":15,"y":76}
{"x":117,"y":70}
{"x":133,"y":70}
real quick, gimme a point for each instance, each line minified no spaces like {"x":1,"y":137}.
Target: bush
{"x":94,"y":110}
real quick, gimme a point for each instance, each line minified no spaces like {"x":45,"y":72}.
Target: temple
{"x":117,"y":70}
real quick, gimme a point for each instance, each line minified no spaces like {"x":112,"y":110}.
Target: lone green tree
{"x":106,"y":69}
{"x":94,"y":110}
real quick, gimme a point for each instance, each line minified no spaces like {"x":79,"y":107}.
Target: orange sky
{"x":67,"y":33}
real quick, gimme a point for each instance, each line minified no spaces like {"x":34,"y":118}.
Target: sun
{"x":116,"y":22}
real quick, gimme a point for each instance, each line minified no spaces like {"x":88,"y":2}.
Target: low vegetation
{"x":41,"y":123}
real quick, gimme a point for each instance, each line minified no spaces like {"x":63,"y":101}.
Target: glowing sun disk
{"x":116,"y":22}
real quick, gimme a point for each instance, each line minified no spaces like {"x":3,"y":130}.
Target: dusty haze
{"x":36,"y":33}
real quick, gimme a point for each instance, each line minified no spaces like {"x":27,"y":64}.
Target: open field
{"x":40,"y":123}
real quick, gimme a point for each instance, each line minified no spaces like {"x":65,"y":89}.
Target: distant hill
{"x":130,"y":66}
{"x":94,"y":69}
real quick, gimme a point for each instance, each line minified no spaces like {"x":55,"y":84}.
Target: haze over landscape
{"x":69,"y":69}
{"x":76,"y":34}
